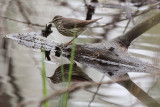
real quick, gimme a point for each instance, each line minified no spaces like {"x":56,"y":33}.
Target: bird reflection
{"x":77,"y":74}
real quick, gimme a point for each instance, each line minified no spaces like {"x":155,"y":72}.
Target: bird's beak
{"x":49,"y":77}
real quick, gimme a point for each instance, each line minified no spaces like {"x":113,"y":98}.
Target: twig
{"x":128,"y":10}
{"x":91,"y":10}
{"x":119,"y":20}
{"x":33,"y":24}
{"x":20,"y":7}
{"x":94,"y":96}
{"x":126,"y":26}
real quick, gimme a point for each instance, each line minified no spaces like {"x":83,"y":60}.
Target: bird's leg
{"x":69,"y":43}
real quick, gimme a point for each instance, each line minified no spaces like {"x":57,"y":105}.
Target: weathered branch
{"x":109,"y":58}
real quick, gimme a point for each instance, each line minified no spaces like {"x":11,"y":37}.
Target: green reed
{"x":44,"y":77}
{"x":65,"y":96}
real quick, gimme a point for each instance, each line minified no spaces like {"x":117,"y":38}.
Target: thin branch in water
{"x":20,"y":7}
{"x":33,"y":24}
{"x":85,"y":2}
{"x":127,"y":26}
{"x":94,"y":96}
{"x":128,"y":10}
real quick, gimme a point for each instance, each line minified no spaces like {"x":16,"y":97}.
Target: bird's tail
{"x":97,"y":19}
{"x":94,"y":20}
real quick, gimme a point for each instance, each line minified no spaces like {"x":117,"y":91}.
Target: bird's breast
{"x":69,"y":32}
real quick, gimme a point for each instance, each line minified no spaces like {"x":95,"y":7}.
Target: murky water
{"x":23,"y":80}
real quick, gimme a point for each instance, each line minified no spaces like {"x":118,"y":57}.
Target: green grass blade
{"x":62,"y":69}
{"x":44,"y":78}
{"x":70,"y":69}
{"x":62,"y":98}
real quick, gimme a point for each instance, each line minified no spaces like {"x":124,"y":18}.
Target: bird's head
{"x":56,"y":19}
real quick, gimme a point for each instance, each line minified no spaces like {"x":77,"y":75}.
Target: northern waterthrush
{"x":71,"y":27}
{"x":77,"y":74}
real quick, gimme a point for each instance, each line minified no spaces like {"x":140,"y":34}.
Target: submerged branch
{"x":140,"y":28}
{"x":138,"y":92}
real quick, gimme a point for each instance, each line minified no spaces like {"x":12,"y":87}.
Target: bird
{"x":71,"y":27}
{"x":77,"y":75}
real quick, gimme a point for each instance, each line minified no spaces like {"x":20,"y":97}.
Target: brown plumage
{"x":70,"y":23}
{"x":71,"y":26}
{"x":77,"y":74}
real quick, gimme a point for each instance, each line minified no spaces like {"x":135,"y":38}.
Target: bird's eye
{"x":54,"y":20}
{"x":53,"y":81}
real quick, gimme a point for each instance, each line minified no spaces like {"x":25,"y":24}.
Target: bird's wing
{"x":70,"y":23}
{"x":80,"y":75}
{"x":80,"y":79}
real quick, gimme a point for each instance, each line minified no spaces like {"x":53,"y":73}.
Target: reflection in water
{"x":5,"y":100}
{"x":5,"y":97}
{"x":12,"y":81}
{"x":147,"y":47}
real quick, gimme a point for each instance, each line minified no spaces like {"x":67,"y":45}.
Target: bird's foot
{"x":68,"y":43}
